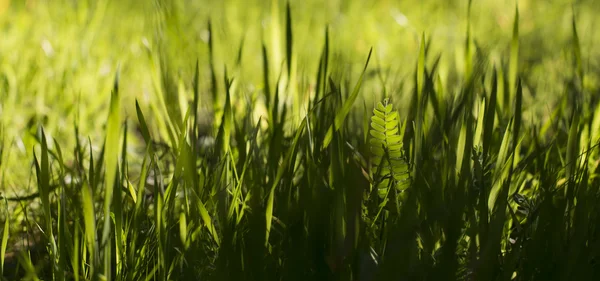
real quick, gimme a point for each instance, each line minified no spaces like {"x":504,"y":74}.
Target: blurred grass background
{"x":58,"y":59}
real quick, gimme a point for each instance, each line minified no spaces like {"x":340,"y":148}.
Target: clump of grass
{"x":458,"y":186}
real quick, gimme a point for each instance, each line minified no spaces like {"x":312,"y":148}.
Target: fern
{"x":390,"y":165}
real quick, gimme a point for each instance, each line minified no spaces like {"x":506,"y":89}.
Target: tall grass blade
{"x":143,"y":126}
{"x":514,"y":56}
{"x":5,"y":234}
{"x":280,"y":171}
{"x":343,"y":112}
{"x":110,"y":163}
{"x":90,"y":228}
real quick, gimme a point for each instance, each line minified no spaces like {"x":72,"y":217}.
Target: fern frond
{"x":389,"y":163}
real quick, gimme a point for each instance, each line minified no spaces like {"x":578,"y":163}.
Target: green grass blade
{"x":288,"y":38}
{"x":143,"y":126}
{"x":224,"y":133}
{"x":501,"y":162}
{"x":118,"y":208}
{"x":480,"y":123}
{"x":240,"y":53}
{"x":196,"y":102}
{"x":514,"y":55}
{"x":213,"y":75}
{"x":468,"y":52}
{"x":280,"y":171}
{"x":266,"y":80}
{"x":341,"y":115}
{"x":111,"y":163}
{"x":421,"y":66}
{"x":5,"y":233}
{"x":577,"y":50}
{"x":75,"y":257}
{"x":490,"y":115}
{"x":43,"y":175}
{"x":572,"y":155}
{"x":87,"y":203}
{"x":420,"y":99}
{"x":208,"y":221}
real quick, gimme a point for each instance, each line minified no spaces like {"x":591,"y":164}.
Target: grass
{"x":284,"y":158}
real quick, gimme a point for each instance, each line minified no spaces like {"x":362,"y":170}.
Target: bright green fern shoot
{"x":389,"y":163}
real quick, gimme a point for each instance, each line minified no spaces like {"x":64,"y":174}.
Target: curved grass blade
{"x":341,"y":115}
{"x":143,"y":126}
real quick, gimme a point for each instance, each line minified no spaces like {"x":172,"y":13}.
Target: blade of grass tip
{"x":421,"y":66}
{"x":490,"y":115}
{"x":196,"y":85}
{"x":501,"y":160}
{"x":44,"y":191}
{"x":468,"y":55}
{"x":111,"y":163}
{"x":179,"y":166}
{"x":224,"y":133}
{"x":514,"y":56}
{"x":298,"y":100}
{"x":5,"y":234}
{"x":118,"y":207}
{"x":43,"y":179}
{"x":276,"y":122}
{"x":91,"y":173}
{"x":503,"y":99}
{"x":322,"y":72}
{"x":238,"y":60}
{"x":159,"y":107}
{"x":437,"y":99}
{"x":420,"y":105}
{"x":326,"y":56}
{"x":488,"y":130}
{"x":280,"y":171}
{"x":276,"y":37}
{"x":577,"y":50}
{"x":288,"y":38}
{"x":266,"y":81}
{"x":249,"y":158}
{"x":211,"y":56}
{"x":59,"y":154}
{"x":318,"y":80}
{"x":341,"y":115}
{"x":143,"y":126}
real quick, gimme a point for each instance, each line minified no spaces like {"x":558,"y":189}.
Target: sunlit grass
{"x":299,"y":141}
